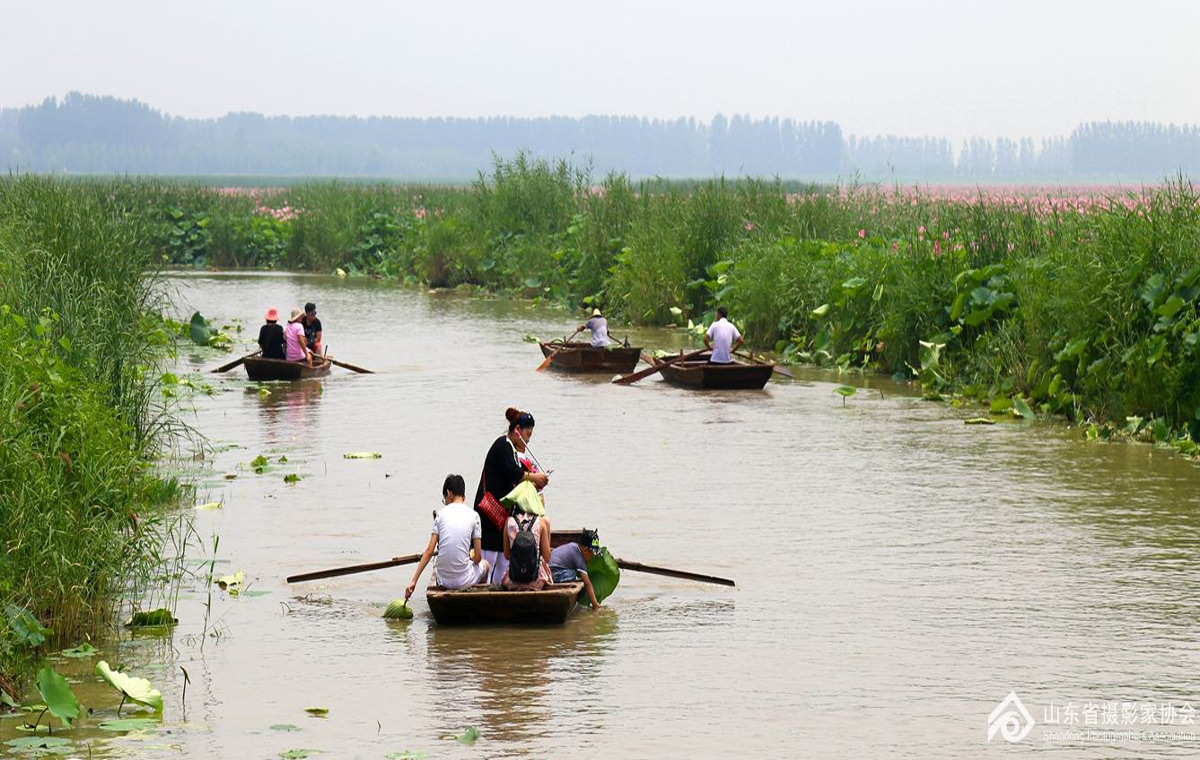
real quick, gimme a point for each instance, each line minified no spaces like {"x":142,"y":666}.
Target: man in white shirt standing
{"x":722,"y":337}
{"x":456,"y":537}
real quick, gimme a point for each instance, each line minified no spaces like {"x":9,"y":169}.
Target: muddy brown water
{"x":899,"y":573}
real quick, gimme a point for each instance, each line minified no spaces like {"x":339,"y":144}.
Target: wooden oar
{"x":775,"y":367}
{"x":656,"y":368}
{"x":236,"y":362}
{"x":638,"y":567}
{"x":550,"y":356}
{"x":352,"y":569}
{"x":344,"y":365}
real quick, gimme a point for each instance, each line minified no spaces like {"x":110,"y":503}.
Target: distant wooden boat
{"x":260,"y":369}
{"x":578,"y":356}
{"x":493,"y":605}
{"x":736,"y":375}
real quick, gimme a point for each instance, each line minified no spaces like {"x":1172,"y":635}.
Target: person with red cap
{"x":270,"y":336}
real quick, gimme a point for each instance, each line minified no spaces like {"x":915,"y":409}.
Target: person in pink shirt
{"x":293,"y":337}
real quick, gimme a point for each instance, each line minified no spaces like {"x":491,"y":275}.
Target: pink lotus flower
{"x":862,"y":233}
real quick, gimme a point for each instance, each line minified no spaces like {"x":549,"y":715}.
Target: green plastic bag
{"x":525,"y":498}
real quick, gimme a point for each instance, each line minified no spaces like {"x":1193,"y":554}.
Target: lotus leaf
{"x":6,"y":699}
{"x":405,"y":755}
{"x":27,"y":628}
{"x":291,"y":478}
{"x":37,"y":742}
{"x":83,"y":650}
{"x":232,"y":582}
{"x":59,"y":698}
{"x":317,"y":712}
{"x":1022,"y":408}
{"x":466,"y":737}
{"x":137,"y":689}
{"x":128,"y":724}
{"x":398,"y":610}
{"x":362,"y":455}
{"x":159,"y":617}
{"x":604,"y":574}
{"x":210,"y":505}
{"x":284,"y":727}
{"x":531,"y":338}
{"x":979,"y":421}
{"x":293,"y":754}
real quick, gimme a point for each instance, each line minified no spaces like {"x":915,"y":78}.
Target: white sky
{"x":939,"y":67}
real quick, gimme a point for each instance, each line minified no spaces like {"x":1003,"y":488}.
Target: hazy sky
{"x":953,"y":68}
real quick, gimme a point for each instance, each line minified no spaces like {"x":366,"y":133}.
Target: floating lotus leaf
{"x":38,"y":742}
{"x":284,"y":727}
{"x":293,"y":754}
{"x":317,"y":712}
{"x":159,"y":617}
{"x":129,"y":724}
{"x":979,"y":421}
{"x":405,"y":755}
{"x":398,"y":610}
{"x":209,"y":505}
{"x":232,"y":582}
{"x":83,"y":650}
{"x":466,"y":737}
{"x":362,"y":455}
{"x":136,"y":689}
{"x":59,"y":698}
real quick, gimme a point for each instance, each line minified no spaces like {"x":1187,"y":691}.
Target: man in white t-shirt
{"x":722,"y":337}
{"x":456,"y":536}
{"x":598,"y":326}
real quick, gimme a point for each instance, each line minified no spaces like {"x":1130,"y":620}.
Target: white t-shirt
{"x":457,"y":526}
{"x":722,"y":333}
{"x":599,"y":328}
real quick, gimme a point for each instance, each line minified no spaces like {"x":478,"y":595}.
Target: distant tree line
{"x":104,"y":135}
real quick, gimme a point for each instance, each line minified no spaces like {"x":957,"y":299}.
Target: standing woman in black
{"x":502,"y":472}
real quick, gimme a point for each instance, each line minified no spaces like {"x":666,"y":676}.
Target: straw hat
{"x":596,"y":313}
{"x":272,"y":314}
{"x":296,"y":314}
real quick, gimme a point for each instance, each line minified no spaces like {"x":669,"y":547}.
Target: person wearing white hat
{"x":599,"y":327}
{"x":293,"y":335}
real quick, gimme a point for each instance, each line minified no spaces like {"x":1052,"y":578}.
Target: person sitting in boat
{"x":296,"y":344}
{"x":723,"y":338}
{"x":526,"y":552}
{"x":502,"y":471}
{"x":270,"y":337}
{"x":455,"y":538}
{"x":599,"y":328}
{"x":568,"y":562}
{"x":312,"y":329}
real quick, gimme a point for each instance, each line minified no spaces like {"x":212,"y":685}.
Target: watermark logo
{"x":1010,"y":719}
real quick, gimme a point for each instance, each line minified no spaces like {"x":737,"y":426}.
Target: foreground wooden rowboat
{"x":700,"y":374}
{"x":492,"y":605}
{"x":260,"y":369}
{"x":578,"y":356}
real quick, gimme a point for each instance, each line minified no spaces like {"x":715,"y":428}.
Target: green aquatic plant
{"x":58,"y":696}
{"x":161,"y":617}
{"x":135,"y":689}
{"x":468,"y":737}
{"x":82,"y":651}
{"x":26,"y":627}
{"x":317,"y":712}
{"x":129,"y":724}
{"x":845,"y":391}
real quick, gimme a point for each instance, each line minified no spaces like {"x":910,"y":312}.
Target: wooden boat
{"x":493,"y":605}
{"x":737,"y":375}
{"x":578,"y":356}
{"x":259,"y":369}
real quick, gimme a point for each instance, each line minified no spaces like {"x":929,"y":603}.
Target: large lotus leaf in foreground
{"x":136,"y":689}
{"x":57,"y":695}
{"x":605,"y":575}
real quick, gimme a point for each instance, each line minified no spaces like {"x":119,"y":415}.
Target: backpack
{"x":523,"y":554}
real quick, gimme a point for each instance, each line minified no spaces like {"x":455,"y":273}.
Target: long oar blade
{"x":348,"y":366}
{"x":235,"y":363}
{"x":638,"y":567}
{"x":627,"y":379}
{"x":352,"y":569}
{"x":549,"y":358}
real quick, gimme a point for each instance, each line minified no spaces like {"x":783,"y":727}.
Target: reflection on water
{"x":898,"y":572}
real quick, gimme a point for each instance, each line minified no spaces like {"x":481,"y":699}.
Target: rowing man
{"x":723,"y":338}
{"x":599,"y":327}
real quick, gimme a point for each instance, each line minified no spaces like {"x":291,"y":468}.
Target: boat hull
{"x":260,"y":369}
{"x":704,"y":376}
{"x":492,"y":605}
{"x":582,"y":357}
